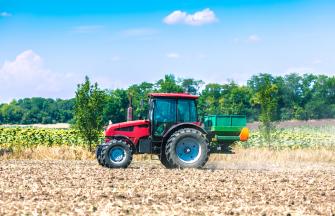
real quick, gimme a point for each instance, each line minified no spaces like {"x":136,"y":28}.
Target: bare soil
{"x":146,"y":188}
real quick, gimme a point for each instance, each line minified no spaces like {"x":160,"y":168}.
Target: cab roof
{"x":174,"y":95}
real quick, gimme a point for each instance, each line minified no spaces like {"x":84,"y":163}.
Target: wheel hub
{"x":188,"y":150}
{"x":117,"y":154}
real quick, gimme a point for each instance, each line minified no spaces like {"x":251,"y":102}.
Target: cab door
{"x":163,"y":116}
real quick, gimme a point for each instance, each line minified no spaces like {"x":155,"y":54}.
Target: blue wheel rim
{"x":188,"y":150}
{"x":117,"y":154}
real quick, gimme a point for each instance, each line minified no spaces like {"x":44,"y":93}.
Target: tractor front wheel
{"x":98,"y":152}
{"x":117,"y":154}
{"x":187,"y":148}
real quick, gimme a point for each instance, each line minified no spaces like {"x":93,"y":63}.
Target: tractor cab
{"x":167,"y":110}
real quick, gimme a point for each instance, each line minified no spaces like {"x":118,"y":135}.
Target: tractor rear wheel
{"x":187,"y":148}
{"x":165,"y":162}
{"x":118,"y":154}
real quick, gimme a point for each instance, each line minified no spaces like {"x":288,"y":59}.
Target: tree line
{"x":292,"y":96}
{"x":37,"y":110}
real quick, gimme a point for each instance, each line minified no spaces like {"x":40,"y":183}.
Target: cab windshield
{"x":168,"y":112}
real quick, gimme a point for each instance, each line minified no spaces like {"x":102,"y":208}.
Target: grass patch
{"x":50,"y":153}
{"x":270,"y":155}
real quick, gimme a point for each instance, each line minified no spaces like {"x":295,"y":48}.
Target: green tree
{"x":237,"y":100}
{"x":139,"y":93}
{"x":265,"y":96}
{"x":322,"y":103}
{"x":227,"y":98}
{"x":305,"y":96}
{"x":209,"y":101}
{"x":88,"y":113}
{"x":168,"y":85}
{"x":12,"y":113}
{"x":115,"y":107}
{"x":37,"y":110}
{"x":191,"y":85}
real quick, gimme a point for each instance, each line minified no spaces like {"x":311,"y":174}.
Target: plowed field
{"x":146,"y":188}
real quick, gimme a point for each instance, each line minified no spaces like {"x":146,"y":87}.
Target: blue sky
{"x":47,"y":47}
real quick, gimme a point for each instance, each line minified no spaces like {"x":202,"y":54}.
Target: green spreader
{"x":226,"y":129}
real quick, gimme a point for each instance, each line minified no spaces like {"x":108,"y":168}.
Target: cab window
{"x":187,"y":111}
{"x":164,"y":115}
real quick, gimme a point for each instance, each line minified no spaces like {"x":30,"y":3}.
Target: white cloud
{"x":175,"y":17}
{"x":26,"y":76}
{"x":205,"y":16}
{"x":87,"y":28}
{"x":173,"y":55}
{"x":254,"y":39}
{"x":5,"y":14}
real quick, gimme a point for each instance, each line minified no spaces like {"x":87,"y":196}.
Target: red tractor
{"x":173,"y":132}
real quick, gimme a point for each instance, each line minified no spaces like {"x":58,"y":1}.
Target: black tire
{"x":123,"y":156}
{"x":194,"y":146}
{"x":98,"y":153}
{"x":165,"y":162}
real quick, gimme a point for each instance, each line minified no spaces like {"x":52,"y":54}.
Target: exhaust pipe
{"x":130,"y":111}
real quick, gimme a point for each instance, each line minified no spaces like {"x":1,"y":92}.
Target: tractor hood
{"x":111,"y":128}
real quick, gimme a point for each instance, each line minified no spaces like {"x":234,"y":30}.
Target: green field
{"x":295,"y":138}
{"x":283,"y":138}
{"x":18,"y":138}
